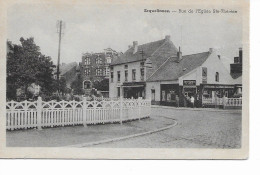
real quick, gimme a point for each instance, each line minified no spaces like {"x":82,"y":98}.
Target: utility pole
{"x":60,"y":26}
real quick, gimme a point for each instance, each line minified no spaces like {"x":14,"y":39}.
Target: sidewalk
{"x":64,"y":136}
{"x":198,"y":109}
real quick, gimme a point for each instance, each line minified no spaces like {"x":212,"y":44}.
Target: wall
{"x":213,"y":64}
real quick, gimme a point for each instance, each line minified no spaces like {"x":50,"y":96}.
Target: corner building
{"x":129,"y":72}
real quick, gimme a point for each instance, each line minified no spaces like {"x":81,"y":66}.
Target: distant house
{"x":69,"y":71}
{"x":159,"y":72}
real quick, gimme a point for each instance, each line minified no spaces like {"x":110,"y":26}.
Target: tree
{"x":77,"y":86}
{"x":103,"y":85}
{"x":27,"y":65}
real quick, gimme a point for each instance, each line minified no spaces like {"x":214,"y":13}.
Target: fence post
{"x":39,"y":113}
{"x":121,"y":109}
{"x":139,"y":107}
{"x":224,"y":102}
{"x":84,"y":108}
{"x":12,"y":116}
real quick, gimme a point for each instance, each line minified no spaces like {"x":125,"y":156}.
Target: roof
{"x":64,"y":68}
{"x":172,"y":70}
{"x":148,"y":49}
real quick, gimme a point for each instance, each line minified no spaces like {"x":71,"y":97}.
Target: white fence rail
{"x":40,"y":114}
{"x":222,"y":101}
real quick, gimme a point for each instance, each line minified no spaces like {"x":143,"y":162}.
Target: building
{"x":158,"y":71}
{"x":95,"y":67}
{"x":236,"y":67}
{"x":236,"y":70}
{"x":130,"y":71}
{"x":200,"y":75}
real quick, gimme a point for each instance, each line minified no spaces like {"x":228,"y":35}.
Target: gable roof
{"x":148,"y":49}
{"x":172,"y":70}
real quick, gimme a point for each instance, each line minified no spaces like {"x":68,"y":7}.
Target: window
{"x":87,"y":71}
{"x":118,"y":76}
{"x":126,"y":66}
{"x":98,"y":60}
{"x":217,"y":77}
{"x":99,"y":72}
{"x":107,"y":71}
{"x":118,"y":91}
{"x":126,"y":75}
{"x":112,"y":76}
{"x":153,"y":94}
{"x":142,"y":64}
{"x":87,"y":61}
{"x":142,"y":74}
{"x":133,"y":74}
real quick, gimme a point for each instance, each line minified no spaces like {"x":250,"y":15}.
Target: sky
{"x":90,"y":28}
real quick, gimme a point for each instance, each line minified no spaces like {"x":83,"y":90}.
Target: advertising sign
{"x":189,"y":83}
{"x":204,"y":75}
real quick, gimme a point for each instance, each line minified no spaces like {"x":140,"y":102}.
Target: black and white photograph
{"x":121,"y":80}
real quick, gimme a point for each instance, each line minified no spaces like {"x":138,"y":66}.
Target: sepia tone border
{"x":125,"y":153}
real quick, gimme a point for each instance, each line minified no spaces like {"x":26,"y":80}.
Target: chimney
{"x":240,"y":55}
{"x":211,"y":50}
{"x":135,"y":45}
{"x":179,"y":55}
{"x":167,"y":37}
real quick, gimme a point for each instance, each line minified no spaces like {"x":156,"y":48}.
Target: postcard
{"x":124,"y":80}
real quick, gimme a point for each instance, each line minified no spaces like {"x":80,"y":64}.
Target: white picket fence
{"x":222,"y":101}
{"x":40,"y":114}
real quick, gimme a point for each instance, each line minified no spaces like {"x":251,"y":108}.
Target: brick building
{"x":95,"y":67}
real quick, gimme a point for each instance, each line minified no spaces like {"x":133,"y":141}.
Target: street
{"x":195,"y":129}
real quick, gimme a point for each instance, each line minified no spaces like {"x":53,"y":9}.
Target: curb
{"x":123,"y":138}
{"x":196,"y":109}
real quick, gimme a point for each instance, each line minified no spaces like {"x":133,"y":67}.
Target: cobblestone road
{"x":195,"y":129}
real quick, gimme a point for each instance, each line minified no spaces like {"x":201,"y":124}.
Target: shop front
{"x":189,"y":88}
{"x":134,"y":90}
{"x":169,"y":92}
{"x":217,"y":91}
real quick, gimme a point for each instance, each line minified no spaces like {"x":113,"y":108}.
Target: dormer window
{"x":108,"y":60}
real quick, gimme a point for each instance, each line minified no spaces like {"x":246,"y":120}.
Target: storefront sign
{"x":204,"y":75}
{"x":189,"y":82}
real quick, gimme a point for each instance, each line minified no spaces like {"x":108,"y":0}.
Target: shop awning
{"x":219,"y":86}
{"x":133,"y":86}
